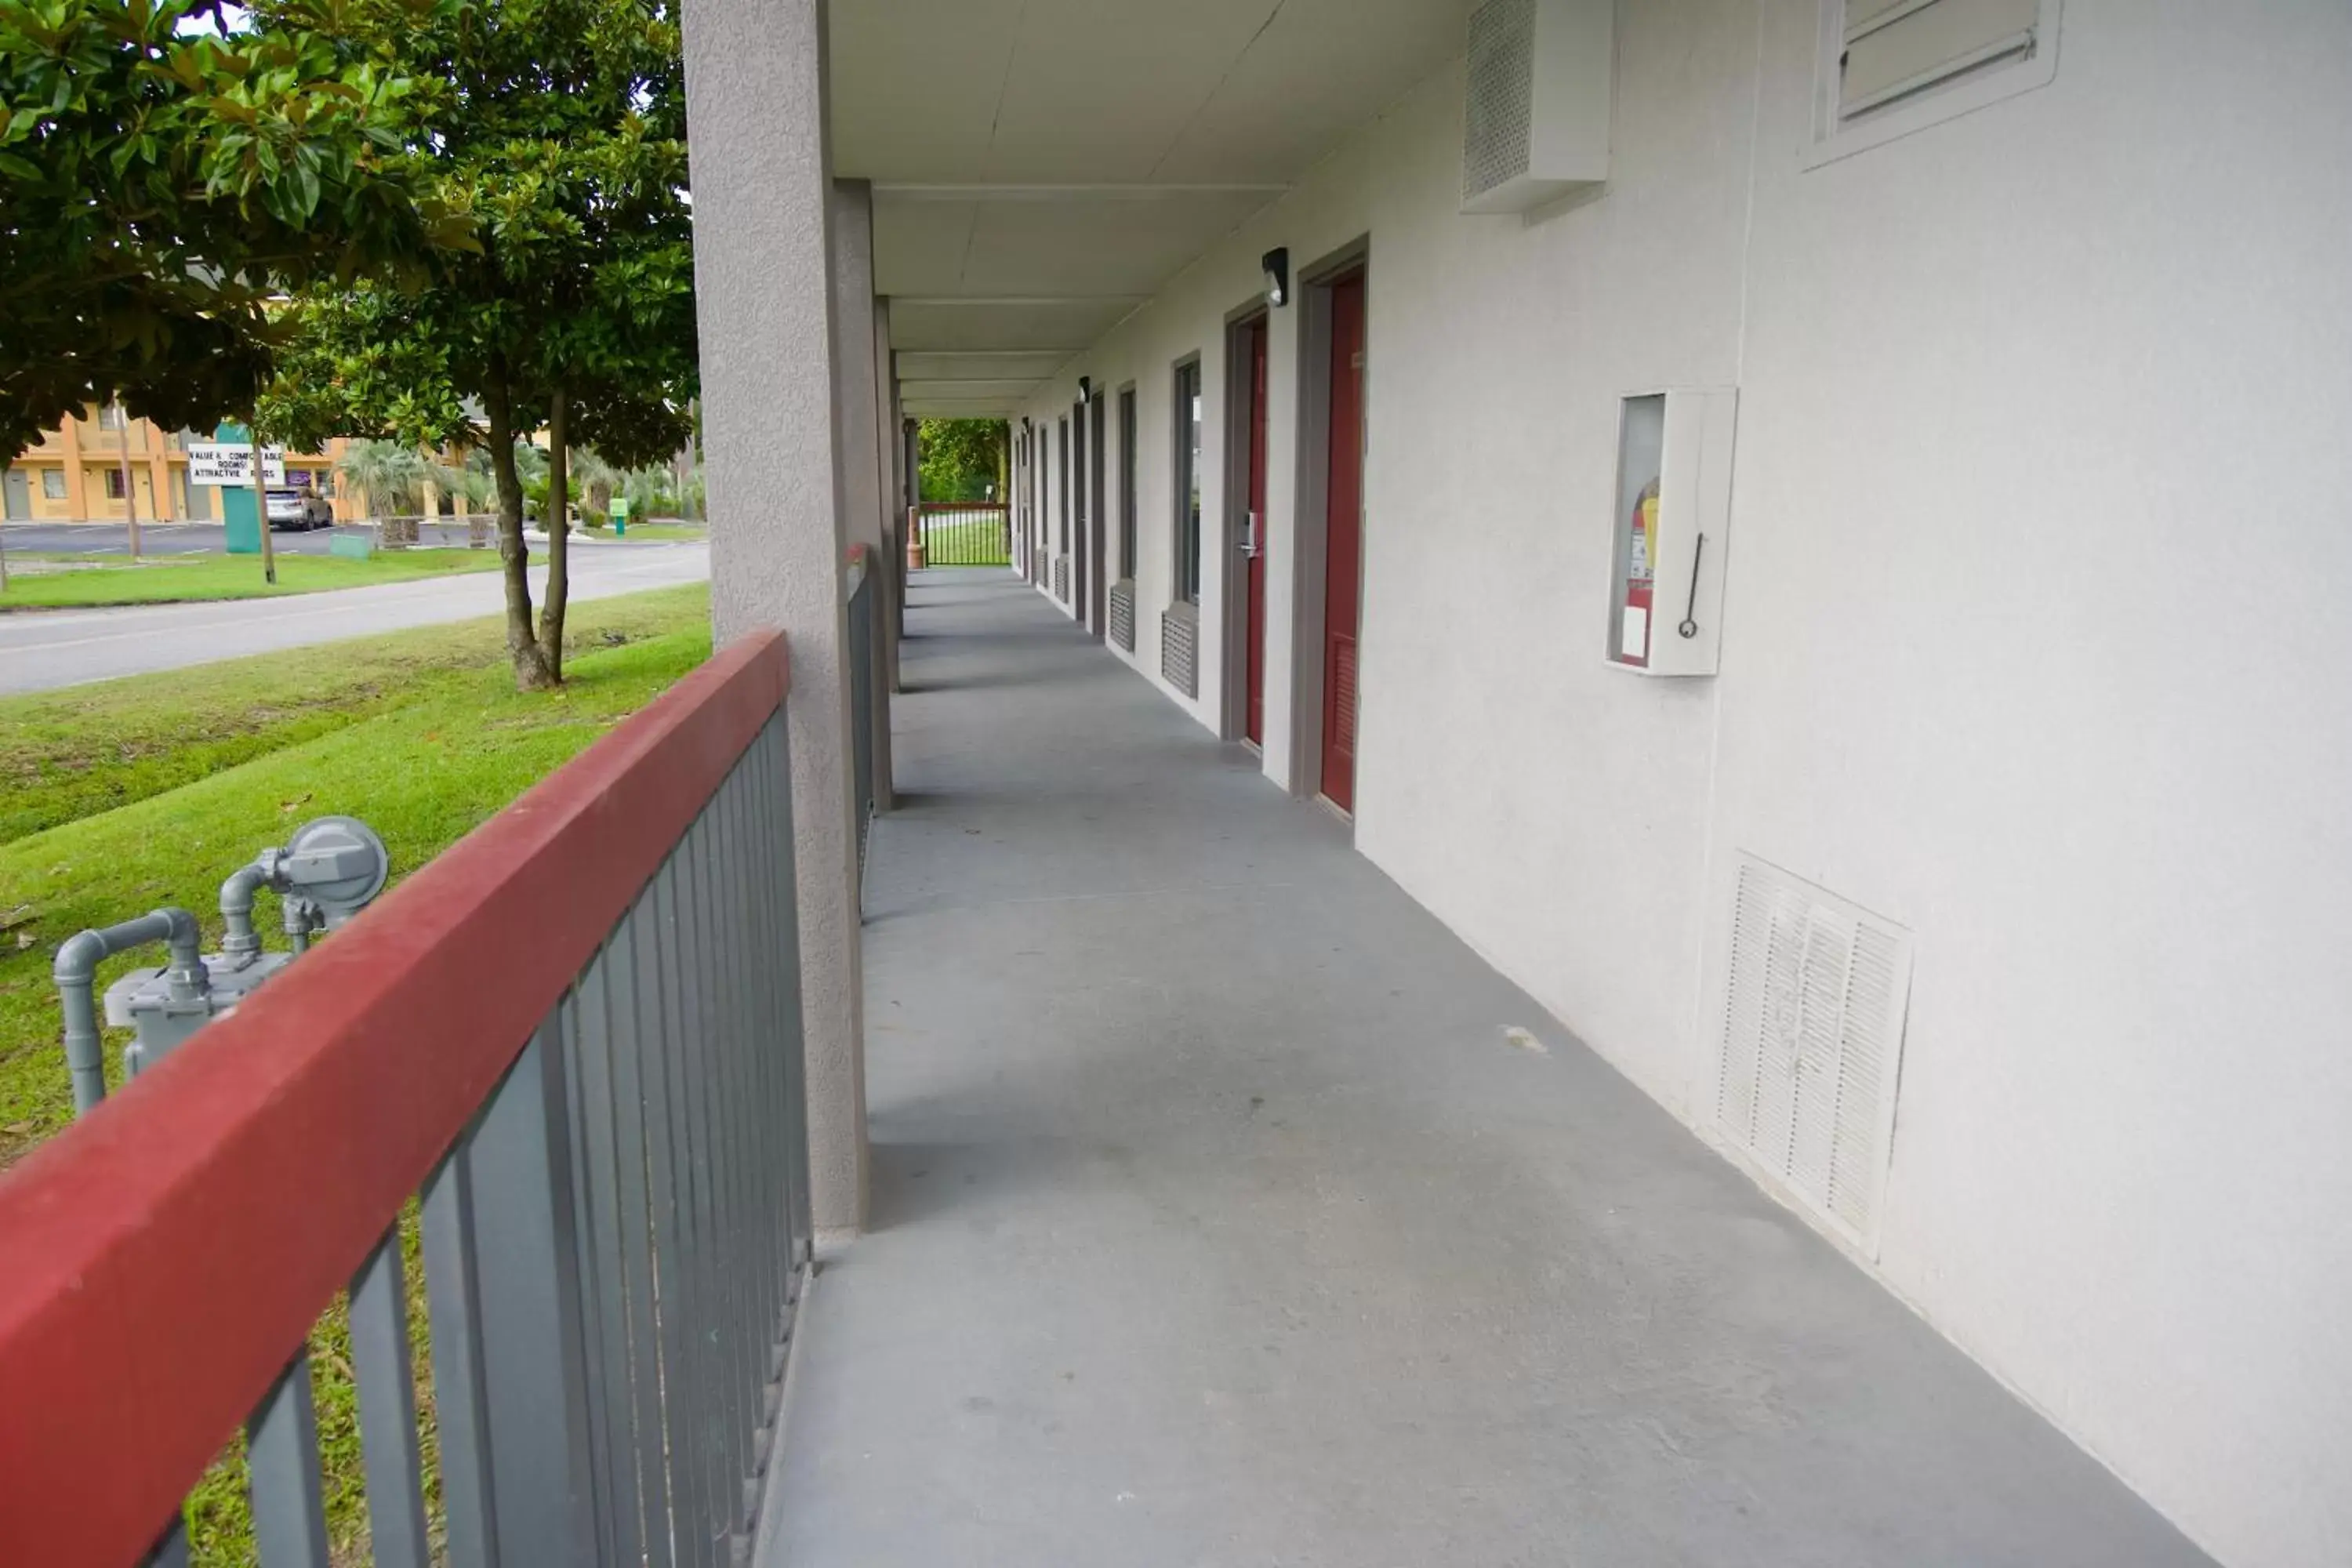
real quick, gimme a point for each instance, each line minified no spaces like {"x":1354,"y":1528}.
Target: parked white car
{"x":299,"y":510}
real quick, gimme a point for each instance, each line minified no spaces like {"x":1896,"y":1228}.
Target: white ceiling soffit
{"x":1042,"y":167}
{"x":921,"y":366}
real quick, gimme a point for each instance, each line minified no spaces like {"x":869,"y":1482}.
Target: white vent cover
{"x":1536,"y":112}
{"x":1812,"y":1038}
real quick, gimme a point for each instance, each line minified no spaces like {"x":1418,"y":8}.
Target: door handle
{"x":1250,"y":525}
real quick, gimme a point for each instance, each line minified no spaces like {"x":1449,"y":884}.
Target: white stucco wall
{"x":2036,"y":641}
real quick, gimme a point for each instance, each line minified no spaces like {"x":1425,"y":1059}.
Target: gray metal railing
{"x":864,"y":655}
{"x":613,"y":1247}
{"x":678,"y":1187}
{"x":613,"y":1252}
{"x":965,"y":534}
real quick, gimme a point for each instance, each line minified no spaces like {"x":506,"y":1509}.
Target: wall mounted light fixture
{"x":1086,"y":389}
{"x":1276,"y":263}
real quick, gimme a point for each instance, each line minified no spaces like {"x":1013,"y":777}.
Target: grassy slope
{"x":228,"y":577}
{"x":150,"y":790}
{"x":421,"y":734}
{"x":64,"y":755}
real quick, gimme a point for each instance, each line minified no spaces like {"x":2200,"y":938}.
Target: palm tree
{"x":468,"y":480}
{"x":393,"y":475}
{"x":592,"y":479}
{"x":646,"y":488}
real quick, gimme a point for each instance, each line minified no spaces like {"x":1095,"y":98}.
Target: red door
{"x":1255,"y":545}
{"x":1343,"y":534}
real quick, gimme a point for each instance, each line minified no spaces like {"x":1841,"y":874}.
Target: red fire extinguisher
{"x":1634,"y":639}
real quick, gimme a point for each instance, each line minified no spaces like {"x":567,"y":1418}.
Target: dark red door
{"x":1254,"y":542}
{"x":1343,"y":534}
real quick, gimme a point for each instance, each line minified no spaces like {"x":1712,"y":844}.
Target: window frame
{"x":53,"y":485}
{"x":1832,"y":140}
{"x":1062,"y":517}
{"x":115,"y":485}
{"x":1188,"y":421}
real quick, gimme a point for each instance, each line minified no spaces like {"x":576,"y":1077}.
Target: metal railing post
{"x":528,"y":1290}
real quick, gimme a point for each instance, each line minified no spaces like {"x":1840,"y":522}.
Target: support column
{"x":77,"y":483}
{"x":865,"y":496}
{"x":755,"y":78}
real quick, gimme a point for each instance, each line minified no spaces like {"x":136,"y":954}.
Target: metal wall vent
{"x":1535,"y":104}
{"x":1813,"y":1039}
{"x":1122,"y":614}
{"x":1179,"y":652}
{"x":1500,"y":110}
{"x":1062,"y":578}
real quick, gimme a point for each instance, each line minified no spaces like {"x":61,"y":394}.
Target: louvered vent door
{"x":1813,"y":1035}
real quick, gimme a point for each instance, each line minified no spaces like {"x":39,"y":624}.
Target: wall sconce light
{"x":1086,"y":389}
{"x":1276,"y":263}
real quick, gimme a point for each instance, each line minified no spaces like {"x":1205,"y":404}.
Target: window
{"x":53,"y":484}
{"x":1888,"y":68}
{"x":110,"y":417}
{"x":1127,"y":482}
{"x":1188,"y":481}
{"x":114,"y":484}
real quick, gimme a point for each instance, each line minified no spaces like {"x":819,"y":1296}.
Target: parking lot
{"x":154,"y":538}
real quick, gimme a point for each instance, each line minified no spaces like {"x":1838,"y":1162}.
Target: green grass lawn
{"x":178,"y":579}
{"x":952,"y":540}
{"x":132,"y":794}
{"x":666,"y":530}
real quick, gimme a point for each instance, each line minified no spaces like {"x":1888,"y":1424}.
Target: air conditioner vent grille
{"x":1497,"y":143}
{"x":1812,"y":1039}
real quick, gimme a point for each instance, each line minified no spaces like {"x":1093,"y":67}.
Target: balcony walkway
{"x":1217,"y":1221}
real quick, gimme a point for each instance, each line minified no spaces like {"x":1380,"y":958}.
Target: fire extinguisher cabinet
{"x":1671,"y":528}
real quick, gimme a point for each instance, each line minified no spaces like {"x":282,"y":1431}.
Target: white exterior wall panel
{"x":2035,"y":642}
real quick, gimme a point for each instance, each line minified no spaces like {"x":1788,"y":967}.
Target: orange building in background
{"x":76,"y":474}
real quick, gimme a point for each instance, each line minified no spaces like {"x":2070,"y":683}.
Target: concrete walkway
{"x":1216,"y":1222}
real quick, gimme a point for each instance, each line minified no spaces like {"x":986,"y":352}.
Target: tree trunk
{"x":261,"y":501}
{"x":130,"y":486}
{"x":559,"y":538}
{"x":531,"y":669}
{"x":1003,"y":495}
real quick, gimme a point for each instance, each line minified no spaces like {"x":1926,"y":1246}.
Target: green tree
{"x":163,"y":183}
{"x":958,"y":457}
{"x":563,"y":135}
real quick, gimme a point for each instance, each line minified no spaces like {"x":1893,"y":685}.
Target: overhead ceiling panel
{"x":962,"y":407}
{"x":1069,"y":325}
{"x":1100,"y":89}
{"x":915,"y":84}
{"x":919,"y":245}
{"x":1320,"y":69}
{"x":999,"y":364}
{"x":1129,"y":242}
{"x":989,"y":391}
{"x":1041,"y":167}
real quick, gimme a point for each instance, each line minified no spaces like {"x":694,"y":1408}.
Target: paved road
{"x":154,"y":538}
{"x":188,"y":538}
{"x":43,"y":649}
